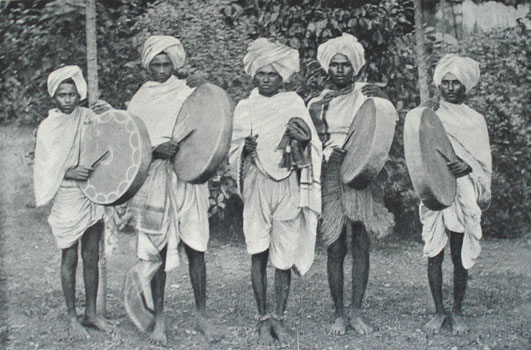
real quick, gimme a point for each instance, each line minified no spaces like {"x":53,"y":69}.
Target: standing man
{"x":169,"y":210}
{"x":275,"y":158}
{"x":347,"y":213}
{"x":74,"y":218}
{"x":467,"y":130}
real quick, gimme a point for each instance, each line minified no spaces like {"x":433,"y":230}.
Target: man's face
{"x":66,"y":97}
{"x":161,"y":68}
{"x":452,"y":90}
{"x":268,"y":81}
{"x":340,"y":71}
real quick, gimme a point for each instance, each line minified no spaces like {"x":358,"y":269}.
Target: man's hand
{"x":79,"y":173}
{"x":298,"y":132}
{"x":250,"y":144}
{"x":337,"y":155}
{"x":166,"y":150}
{"x":100,"y":107}
{"x":196,"y":78}
{"x":459,"y":168}
{"x":431,"y":103}
{"x":371,"y":90}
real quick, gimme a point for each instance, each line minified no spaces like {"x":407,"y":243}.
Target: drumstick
{"x":100,"y":158}
{"x":443,"y":155}
{"x":348,"y":138}
{"x":180,"y":138}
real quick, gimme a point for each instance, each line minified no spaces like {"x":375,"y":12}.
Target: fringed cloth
{"x":332,"y":112}
{"x":342,"y":204}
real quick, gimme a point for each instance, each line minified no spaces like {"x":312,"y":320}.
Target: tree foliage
{"x":38,"y":38}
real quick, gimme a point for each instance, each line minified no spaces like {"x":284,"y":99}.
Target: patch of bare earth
{"x":397,"y":303}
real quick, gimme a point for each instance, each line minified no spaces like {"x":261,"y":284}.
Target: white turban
{"x":262,"y":52}
{"x":465,"y":69}
{"x":68,"y":72}
{"x":157,"y":44}
{"x":347,"y":45}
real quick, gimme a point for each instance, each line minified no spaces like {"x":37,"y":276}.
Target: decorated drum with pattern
{"x":428,"y":150}
{"x":116,"y":143}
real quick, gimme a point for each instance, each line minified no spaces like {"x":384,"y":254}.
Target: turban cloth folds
{"x":262,"y":52}
{"x":465,"y":69}
{"x":68,"y":72}
{"x":346,"y":45}
{"x":169,"y":45}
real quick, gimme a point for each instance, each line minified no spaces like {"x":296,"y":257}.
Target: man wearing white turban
{"x":275,"y":158}
{"x":73,"y":217}
{"x":467,"y":131}
{"x":169,"y":211}
{"x":348,"y":219}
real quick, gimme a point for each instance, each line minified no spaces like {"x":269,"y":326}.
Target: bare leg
{"x":459,"y":326}
{"x":158,"y":284}
{"x":435,"y":281}
{"x":259,"y":282}
{"x":282,"y":286}
{"x":197,"y":270}
{"x":90,"y":255}
{"x":336,"y":253}
{"x":68,"y":282}
{"x":360,"y":276}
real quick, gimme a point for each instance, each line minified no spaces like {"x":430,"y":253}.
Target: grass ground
{"x":397,"y":303}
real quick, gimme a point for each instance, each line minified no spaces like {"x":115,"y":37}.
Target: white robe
{"x":268,"y":117}
{"x":57,"y":150}
{"x":467,"y":131}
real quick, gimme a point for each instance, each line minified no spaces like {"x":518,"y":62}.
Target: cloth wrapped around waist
{"x":342,"y":203}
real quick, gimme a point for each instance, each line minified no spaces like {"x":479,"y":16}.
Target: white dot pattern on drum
{"x":119,"y":123}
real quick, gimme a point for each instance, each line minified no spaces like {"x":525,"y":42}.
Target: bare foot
{"x":158,"y":336}
{"x":96,"y":322}
{"x":264,"y":333}
{"x":212,"y":333}
{"x":357,"y":323}
{"x":339,"y":327}
{"x":435,"y":324}
{"x":280,"y":332}
{"x":77,"y":331}
{"x":459,"y":326}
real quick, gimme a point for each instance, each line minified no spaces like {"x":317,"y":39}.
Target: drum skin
{"x":428,"y":150}
{"x":118,"y":176}
{"x":207,"y":114}
{"x":368,"y":142}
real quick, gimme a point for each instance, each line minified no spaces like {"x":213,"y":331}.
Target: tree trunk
{"x":421,"y":56}
{"x":93,"y":95}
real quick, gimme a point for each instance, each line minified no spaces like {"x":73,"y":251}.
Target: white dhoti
{"x":72,"y":214}
{"x":468,"y":134}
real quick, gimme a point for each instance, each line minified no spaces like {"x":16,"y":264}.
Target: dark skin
{"x":454,"y":92}
{"x":67,"y":100}
{"x":341,"y":75}
{"x":451,"y":91}
{"x":268,"y":82}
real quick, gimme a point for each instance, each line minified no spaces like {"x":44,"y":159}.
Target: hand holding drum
{"x":429,"y":155}
{"x":116,"y":144}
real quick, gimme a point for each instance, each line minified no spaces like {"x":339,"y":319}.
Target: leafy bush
{"x":215,"y":33}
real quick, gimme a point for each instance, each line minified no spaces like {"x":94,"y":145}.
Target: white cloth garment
{"x":266,"y":185}
{"x":467,"y":131}
{"x":56,"y":151}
